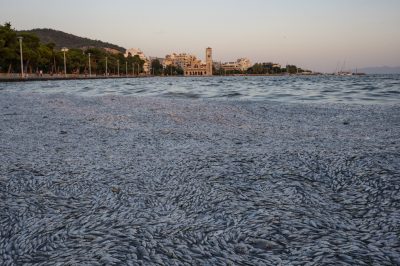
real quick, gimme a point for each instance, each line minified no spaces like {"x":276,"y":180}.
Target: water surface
{"x":323,"y":89}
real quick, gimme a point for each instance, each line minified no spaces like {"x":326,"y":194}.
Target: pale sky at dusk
{"x":315,"y":34}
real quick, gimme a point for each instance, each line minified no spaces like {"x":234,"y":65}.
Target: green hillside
{"x":62,"y":39}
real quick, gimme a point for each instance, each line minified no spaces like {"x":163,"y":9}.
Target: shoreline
{"x":5,"y":78}
{"x":48,"y":78}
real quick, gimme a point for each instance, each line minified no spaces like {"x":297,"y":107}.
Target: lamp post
{"x":126,"y":68}
{"x":64,"y":50}
{"x":106,"y":67}
{"x":90,"y":69}
{"x":118,"y":67}
{"x":22,"y":60}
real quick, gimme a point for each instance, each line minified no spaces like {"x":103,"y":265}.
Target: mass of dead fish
{"x":119,"y":180}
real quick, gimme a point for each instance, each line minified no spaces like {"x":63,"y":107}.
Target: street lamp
{"x":106,"y":67}
{"x":126,"y":68}
{"x":22,"y":60}
{"x":90,"y":69}
{"x":64,"y":50}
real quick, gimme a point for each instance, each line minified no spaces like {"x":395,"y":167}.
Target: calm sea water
{"x":348,"y":89}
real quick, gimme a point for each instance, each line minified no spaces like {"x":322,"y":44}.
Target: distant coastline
{"x":381,"y":70}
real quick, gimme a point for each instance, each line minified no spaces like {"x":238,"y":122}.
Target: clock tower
{"x":209,"y":62}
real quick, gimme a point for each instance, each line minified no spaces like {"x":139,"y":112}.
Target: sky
{"x":315,"y":34}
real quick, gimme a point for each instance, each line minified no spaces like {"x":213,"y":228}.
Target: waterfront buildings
{"x":181,"y":60}
{"x":191,"y":65}
{"x":242,"y":64}
{"x":197,"y":68}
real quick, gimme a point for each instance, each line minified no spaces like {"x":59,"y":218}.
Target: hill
{"x":380,"y":70}
{"x":63,"y":39}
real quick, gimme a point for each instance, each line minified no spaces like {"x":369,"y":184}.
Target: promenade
{"x":34,"y":77}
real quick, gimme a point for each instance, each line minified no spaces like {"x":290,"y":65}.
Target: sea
{"x":368,"y":89}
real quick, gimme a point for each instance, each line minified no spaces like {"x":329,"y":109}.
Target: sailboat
{"x":358,"y":73}
{"x":342,"y":72}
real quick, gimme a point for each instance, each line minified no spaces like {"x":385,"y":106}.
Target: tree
{"x":44,"y":58}
{"x":30,"y":47}
{"x":257,"y":69}
{"x":172,"y":70}
{"x":265,"y":68}
{"x":291,"y":69}
{"x":77,"y":61}
{"x":138,"y":63}
{"x":156,"y":67}
{"x":9,"y":49}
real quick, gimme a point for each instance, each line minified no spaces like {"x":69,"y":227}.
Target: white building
{"x":182,"y":60}
{"x":243,"y":63}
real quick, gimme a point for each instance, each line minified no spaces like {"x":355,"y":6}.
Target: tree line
{"x":262,"y":69}
{"x":157,"y":69}
{"x":46,"y":58}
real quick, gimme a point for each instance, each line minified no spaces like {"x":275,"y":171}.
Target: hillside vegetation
{"x":62,"y":39}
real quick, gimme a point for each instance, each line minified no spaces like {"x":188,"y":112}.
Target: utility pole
{"x":133,"y":69}
{"x":64,"y":50}
{"x":22,"y":60}
{"x":118,"y":66}
{"x":90,"y":69}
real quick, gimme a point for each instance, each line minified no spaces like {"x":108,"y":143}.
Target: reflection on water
{"x":354,"y":89}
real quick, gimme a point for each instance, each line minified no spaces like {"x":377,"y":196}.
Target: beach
{"x":124,"y":180}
